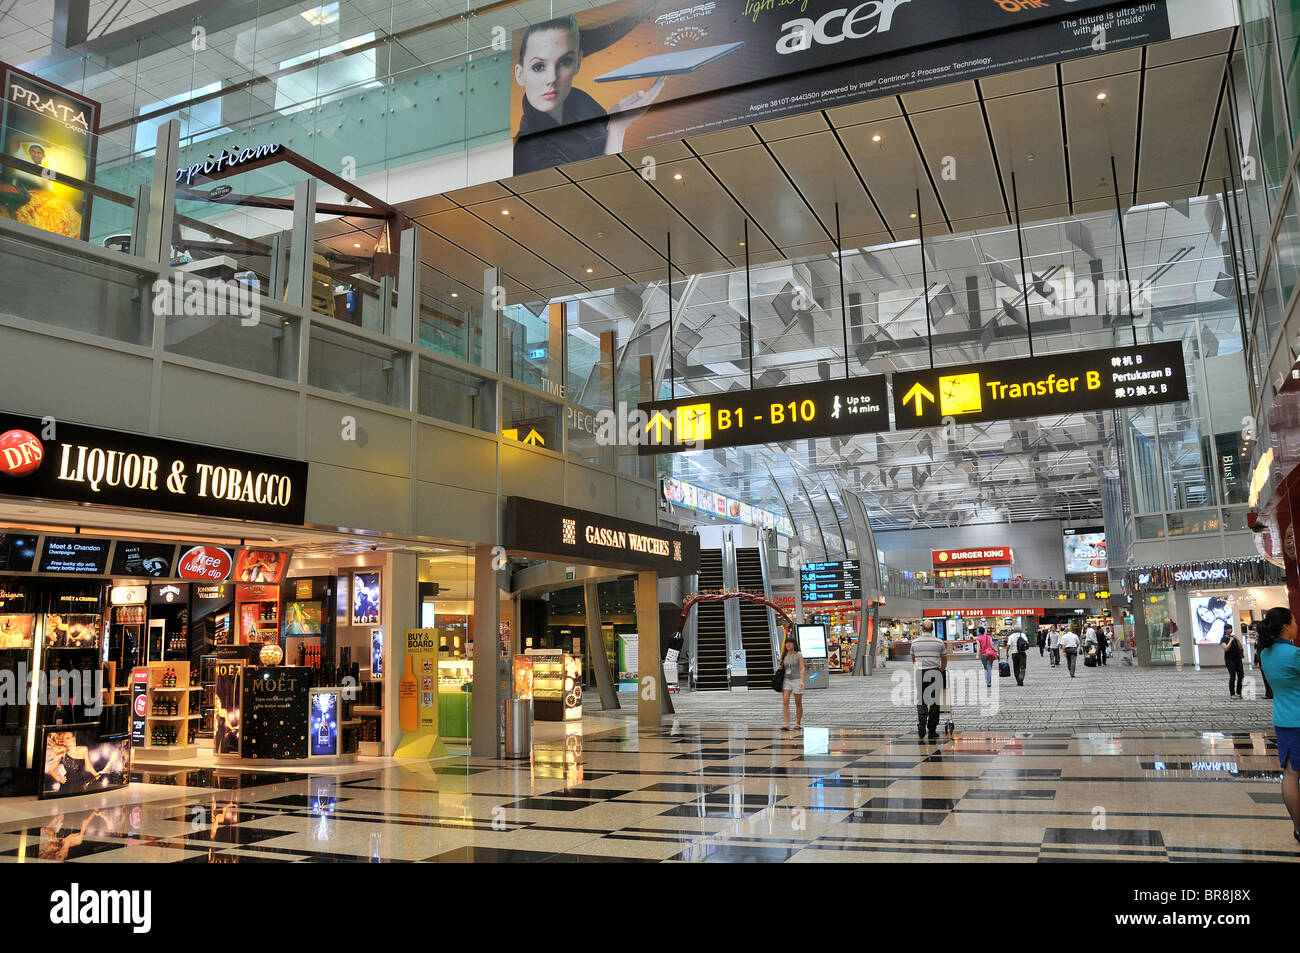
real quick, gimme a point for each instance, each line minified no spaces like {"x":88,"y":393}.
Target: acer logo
{"x":874,"y":16}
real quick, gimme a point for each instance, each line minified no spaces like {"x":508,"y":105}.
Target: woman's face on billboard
{"x":551,"y":59}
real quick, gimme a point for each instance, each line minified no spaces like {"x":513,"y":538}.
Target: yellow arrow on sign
{"x":535,"y":439}
{"x":511,"y":434}
{"x":659,"y":422}
{"x":921,"y":394}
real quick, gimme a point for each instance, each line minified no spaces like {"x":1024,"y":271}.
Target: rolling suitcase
{"x":1004,"y":669}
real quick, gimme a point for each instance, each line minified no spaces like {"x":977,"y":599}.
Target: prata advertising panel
{"x":633,"y":74}
{"x":47,"y":133}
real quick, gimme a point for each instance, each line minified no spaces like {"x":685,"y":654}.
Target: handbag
{"x":778,"y":679}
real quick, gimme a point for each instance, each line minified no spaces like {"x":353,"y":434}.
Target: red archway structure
{"x":724,"y":595}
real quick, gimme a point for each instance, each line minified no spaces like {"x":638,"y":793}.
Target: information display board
{"x":1048,"y":384}
{"x":768,"y":415}
{"x":831,"y":582}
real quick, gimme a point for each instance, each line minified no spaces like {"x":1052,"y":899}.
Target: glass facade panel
{"x":522,"y":413}
{"x":358,"y":368}
{"x":457,"y":397}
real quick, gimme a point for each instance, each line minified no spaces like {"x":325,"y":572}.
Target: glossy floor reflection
{"x":714,"y":793}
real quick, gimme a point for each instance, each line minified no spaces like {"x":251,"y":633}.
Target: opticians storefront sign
{"x":563,"y":532}
{"x":58,"y":461}
{"x":229,"y":161}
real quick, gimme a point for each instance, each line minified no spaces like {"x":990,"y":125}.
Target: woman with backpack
{"x":793,"y":666}
{"x":988,"y":654}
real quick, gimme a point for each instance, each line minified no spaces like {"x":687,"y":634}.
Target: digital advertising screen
{"x":17,"y":552}
{"x":75,"y":555}
{"x":1085,"y":549}
{"x":812,"y":641}
{"x":144,"y":559}
{"x":260,"y":565}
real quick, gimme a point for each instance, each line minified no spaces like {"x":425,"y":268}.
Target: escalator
{"x":755,"y":628}
{"x":711,"y":628}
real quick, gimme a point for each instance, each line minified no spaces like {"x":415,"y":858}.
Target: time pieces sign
{"x":89,"y":465}
{"x":998,"y":390}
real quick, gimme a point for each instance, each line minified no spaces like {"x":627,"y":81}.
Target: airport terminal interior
{"x":539,"y":431}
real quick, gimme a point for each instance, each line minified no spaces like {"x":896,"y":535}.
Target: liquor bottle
{"x":408,"y":713}
{"x":302,"y":654}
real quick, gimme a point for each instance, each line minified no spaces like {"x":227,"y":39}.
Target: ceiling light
{"x":911,"y":215}
{"x":742,"y":244}
{"x":677,"y":176}
{"x":455,"y":295}
{"x":356,"y":244}
{"x":590,"y":270}
{"x":1101,"y":97}
{"x":505,"y":211}
{"x":877,"y":137}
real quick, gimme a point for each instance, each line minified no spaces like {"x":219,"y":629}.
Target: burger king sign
{"x":20,"y":453}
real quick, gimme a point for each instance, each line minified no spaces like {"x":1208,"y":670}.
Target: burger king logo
{"x":943,"y":557}
{"x":205,"y":562}
{"x":20,"y":453}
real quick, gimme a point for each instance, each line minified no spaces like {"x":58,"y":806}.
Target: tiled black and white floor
{"x":712,"y":791}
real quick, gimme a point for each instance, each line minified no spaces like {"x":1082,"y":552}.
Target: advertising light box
{"x":1085,"y":549}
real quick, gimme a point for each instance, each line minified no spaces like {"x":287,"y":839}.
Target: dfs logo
{"x":20,"y":453}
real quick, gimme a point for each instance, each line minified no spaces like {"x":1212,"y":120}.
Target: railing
{"x":961,"y":589}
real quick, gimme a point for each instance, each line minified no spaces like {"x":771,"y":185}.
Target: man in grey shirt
{"x":930,"y":658}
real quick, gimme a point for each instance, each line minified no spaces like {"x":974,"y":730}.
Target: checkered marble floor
{"x":1110,"y":698}
{"x":704,"y":791}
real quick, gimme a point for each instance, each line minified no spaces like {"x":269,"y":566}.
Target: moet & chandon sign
{"x":88,"y":465}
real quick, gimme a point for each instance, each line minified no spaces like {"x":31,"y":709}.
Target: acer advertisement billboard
{"x":636,"y":73}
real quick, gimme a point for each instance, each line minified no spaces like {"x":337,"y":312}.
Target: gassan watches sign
{"x":58,"y":461}
{"x":1067,"y":383}
{"x":767,"y":415}
{"x":580,"y":536}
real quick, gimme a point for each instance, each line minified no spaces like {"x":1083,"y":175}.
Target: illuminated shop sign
{"x":88,"y":465}
{"x":998,"y":612}
{"x":971,"y":557}
{"x":547,"y":530}
{"x":1201,"y":575}
{"x":769,"y":415}
{"x":1049,"y":384}
{"x":229,"y":160}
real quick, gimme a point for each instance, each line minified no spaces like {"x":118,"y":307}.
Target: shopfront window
{"x":446,"y":604}
{"x":1161,"y":640}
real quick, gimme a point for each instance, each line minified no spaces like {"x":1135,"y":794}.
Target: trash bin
{"x":519,"y":730}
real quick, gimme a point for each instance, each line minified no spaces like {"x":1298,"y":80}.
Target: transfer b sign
{"x":1041,"y":386}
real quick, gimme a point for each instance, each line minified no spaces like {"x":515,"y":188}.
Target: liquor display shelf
{"x":168,"y":732}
